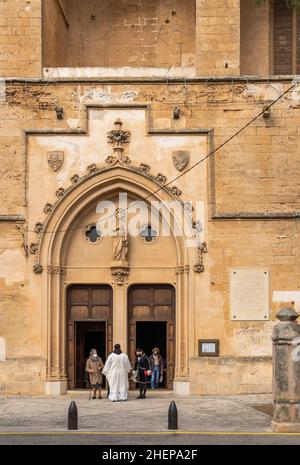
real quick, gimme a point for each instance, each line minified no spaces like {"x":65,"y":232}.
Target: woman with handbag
{"x":142,"y":369}
{"x":156,"y":367}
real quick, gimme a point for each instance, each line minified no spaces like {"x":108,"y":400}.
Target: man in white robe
{"x":116,"y":370}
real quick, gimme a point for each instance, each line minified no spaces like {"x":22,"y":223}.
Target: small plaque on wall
{"x":249,"y":294}
{"x":209,"y":347}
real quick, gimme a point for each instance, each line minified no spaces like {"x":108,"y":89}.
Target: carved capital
{"x":182,"y":269}
{"x":120,"y":275}
{"x":57,"y":270}
{"x":179,"y":270}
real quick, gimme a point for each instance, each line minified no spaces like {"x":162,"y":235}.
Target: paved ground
{"x":25,"y":420}
{"x":150,"y":440}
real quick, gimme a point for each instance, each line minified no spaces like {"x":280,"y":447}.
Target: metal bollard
{"x":173,"y":416}
{"x":73,"y":417}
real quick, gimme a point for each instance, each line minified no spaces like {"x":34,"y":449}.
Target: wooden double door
{"x":151,"y":323}
{"x":89,"y":327}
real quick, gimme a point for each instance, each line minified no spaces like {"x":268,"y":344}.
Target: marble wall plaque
{"x":249,"y":294}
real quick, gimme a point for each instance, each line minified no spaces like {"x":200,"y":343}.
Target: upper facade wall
{"x":115,"y":33}
{"x":205,"y":38}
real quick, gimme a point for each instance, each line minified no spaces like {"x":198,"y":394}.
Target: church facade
{"x":114,"y":114}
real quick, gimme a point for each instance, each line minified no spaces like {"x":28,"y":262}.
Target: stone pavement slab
{"x":196,"y":414}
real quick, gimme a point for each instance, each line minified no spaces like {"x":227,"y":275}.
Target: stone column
{"x":120,"y":306}
{"x":286,"y":372}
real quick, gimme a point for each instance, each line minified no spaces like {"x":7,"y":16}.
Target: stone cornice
{"x":150,"y":80}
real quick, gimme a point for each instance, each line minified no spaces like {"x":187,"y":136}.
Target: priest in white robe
{"x":116,"y":370}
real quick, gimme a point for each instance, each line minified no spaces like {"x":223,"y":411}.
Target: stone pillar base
{"x":181,"y":388}
{"x":285,"y":427}
{"x":56,"y":388}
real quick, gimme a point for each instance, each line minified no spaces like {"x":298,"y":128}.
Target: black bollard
{"x":73,"y":417}
{"x":173,"y":416}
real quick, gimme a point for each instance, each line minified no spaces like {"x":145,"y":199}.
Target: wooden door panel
{"x":101,"y":312}
{"x":102,"y":296}
{"x":140,"y":312}
{"x":163,"y":313}
{"x":79,"y":295}
{"x":79,"y":312}
{"x":162,"y":296}
{"x":140,"y":295}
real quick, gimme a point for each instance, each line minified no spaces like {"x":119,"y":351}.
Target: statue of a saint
{"x":120,"y":238}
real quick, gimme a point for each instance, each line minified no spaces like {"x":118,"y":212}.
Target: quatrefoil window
{"x":148,"y":234}
{"x":93,"y":235}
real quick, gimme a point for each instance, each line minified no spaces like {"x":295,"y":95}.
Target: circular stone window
{"x":92,"y":235}
{"x":148,"y":235}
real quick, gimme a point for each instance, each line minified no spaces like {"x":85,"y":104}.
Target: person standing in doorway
{"x":142,"y":366}
{"x":156,"y":367}
{"x":116,"y":370}
{"x":94,"y":366}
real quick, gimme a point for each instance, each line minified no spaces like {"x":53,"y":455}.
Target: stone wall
{"x":255,"y":53}
{"x":218,"y":37}
{"x":20,"y":31}
{"x":255,"y":174}
{"x":231,"y":375}
{"x":54,"y":33}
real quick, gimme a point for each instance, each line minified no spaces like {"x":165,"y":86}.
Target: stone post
{"x":286,"y":372}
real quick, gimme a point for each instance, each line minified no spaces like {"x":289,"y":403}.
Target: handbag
{"x":135,"y":376}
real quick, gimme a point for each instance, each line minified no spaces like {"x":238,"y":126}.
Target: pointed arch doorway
{"x":69,"y":260}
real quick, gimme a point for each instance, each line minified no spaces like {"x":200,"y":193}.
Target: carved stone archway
{"x":52,"y":267}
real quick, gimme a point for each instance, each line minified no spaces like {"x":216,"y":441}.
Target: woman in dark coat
{"x":142,"y":366}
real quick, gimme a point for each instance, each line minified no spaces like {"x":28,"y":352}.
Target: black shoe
{"x":144,"y":396}
{"x":140,"y":397}
{"x":94,"y":397}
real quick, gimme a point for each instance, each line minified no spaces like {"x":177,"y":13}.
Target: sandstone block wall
{"x":21,"y":41}
{"x":218,"y":37}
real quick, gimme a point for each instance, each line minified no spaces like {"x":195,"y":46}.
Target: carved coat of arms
{"x":181,"y":160}
{"x":55,"y":160}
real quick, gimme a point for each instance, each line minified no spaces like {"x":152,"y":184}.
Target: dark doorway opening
{"x":150,"y":335}
{"x":89,"y":335}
